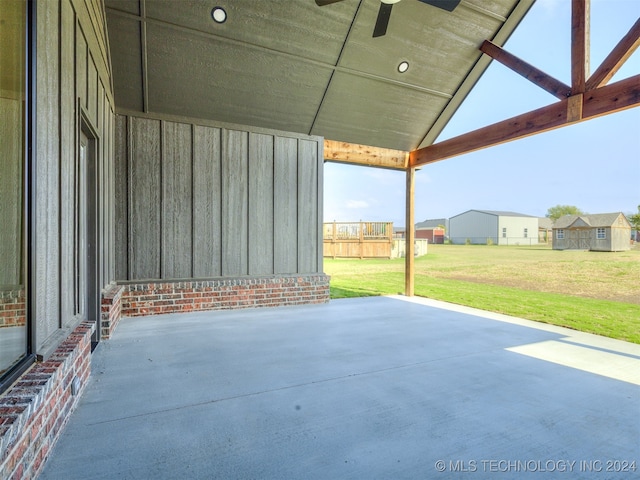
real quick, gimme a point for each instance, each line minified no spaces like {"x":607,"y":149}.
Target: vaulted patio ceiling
{"x":294,"y":66}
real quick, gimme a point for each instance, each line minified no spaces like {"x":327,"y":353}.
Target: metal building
{"x":481,"y":227}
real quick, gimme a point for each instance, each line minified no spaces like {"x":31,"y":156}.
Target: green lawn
{"x":587,"y":291}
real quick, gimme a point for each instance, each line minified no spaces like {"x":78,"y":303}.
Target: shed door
{"x":584,"y":240}
{"x":572,"y":239}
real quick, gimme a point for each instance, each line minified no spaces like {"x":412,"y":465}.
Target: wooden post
{"x":580,"y":33}
{"x":409,"y":233}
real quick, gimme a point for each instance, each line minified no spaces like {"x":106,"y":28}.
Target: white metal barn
{"x":488,"y":226}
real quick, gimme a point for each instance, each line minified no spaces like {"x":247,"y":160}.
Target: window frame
{"x":560,"y":234}
{"x":601,"y":233}
{"x":29,"y":149}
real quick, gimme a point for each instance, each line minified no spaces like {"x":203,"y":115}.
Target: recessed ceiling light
{"x":403,"y":67}
{"x":219,"y":15}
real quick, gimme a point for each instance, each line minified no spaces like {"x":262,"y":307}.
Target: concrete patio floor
{"x":367,"y":388}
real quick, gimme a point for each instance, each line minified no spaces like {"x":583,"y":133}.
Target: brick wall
{"x":110,"y":309}
{"x":12,"y":308}
{"x":151,"y":298}
{"x":243,"y":292}
{"x":35,"y":409}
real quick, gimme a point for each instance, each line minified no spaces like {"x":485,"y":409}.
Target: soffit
{"x":291,"y":65}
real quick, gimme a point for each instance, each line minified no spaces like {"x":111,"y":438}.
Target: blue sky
{"x":594,"y":165}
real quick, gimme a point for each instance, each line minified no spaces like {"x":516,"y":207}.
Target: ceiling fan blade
{"x":384,"y":14}
{"x":448,"y":5}
{"x":322,"y":3}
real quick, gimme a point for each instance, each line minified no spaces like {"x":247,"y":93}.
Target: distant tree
{"x":558,"y":211}
{"x":634,"y":219}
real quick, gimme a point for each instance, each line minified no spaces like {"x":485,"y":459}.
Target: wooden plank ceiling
{"x":294,"y":66}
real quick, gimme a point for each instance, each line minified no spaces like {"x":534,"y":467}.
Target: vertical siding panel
{"x":319,"y":206}
{"x":206,"y":202}
{"x":285,"y":202}
{"x":121,"y":198}
{"x":234,"y":202}
{"x":177,"y":184}
{"x":92,"y":90}
{"x":81,"y":66}
{"x":260,"y":204}
{"x":67,"y":159}
{"x":103,"y":260}
{"x":144,"y":199}
{"x":112,"y":198}
{"x":47,"y":281}
{"x":307,"y":206}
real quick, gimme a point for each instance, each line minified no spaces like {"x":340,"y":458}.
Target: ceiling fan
{"x":384,"y":13}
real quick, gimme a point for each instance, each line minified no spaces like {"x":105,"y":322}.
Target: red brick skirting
{"x":152,"y":298}
{"x":35,"y":409}
{"x":12,"y":308}
{"x":133,"y":299}
{"x":110,"y":309}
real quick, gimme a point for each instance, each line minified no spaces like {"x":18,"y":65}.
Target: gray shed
{"x":491,"y":226}
{"x":603,"y":232}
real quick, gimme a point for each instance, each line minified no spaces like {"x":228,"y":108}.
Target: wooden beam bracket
{"x":574,"y":108}
{"x":547,"y":82}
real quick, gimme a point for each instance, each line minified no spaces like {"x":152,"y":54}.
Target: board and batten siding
{"x":73,"y":86}
{"x":200,"y":200}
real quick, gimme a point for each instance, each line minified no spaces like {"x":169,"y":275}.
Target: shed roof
{"x":592,"y":220}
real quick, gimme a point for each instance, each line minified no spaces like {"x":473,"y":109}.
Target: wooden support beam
{"x":409,"y":236}
{"x":548,"y":83}
{"x":580,"y":22}
{"x":612,"y":98}
{"x":601,"y":101}
{"x":622,"y":51}
{"x":353,"y":153}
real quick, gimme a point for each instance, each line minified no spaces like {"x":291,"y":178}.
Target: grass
{"x":587,"y":291}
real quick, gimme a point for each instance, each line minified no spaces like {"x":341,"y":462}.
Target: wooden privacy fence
{"x":358,"y":239}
